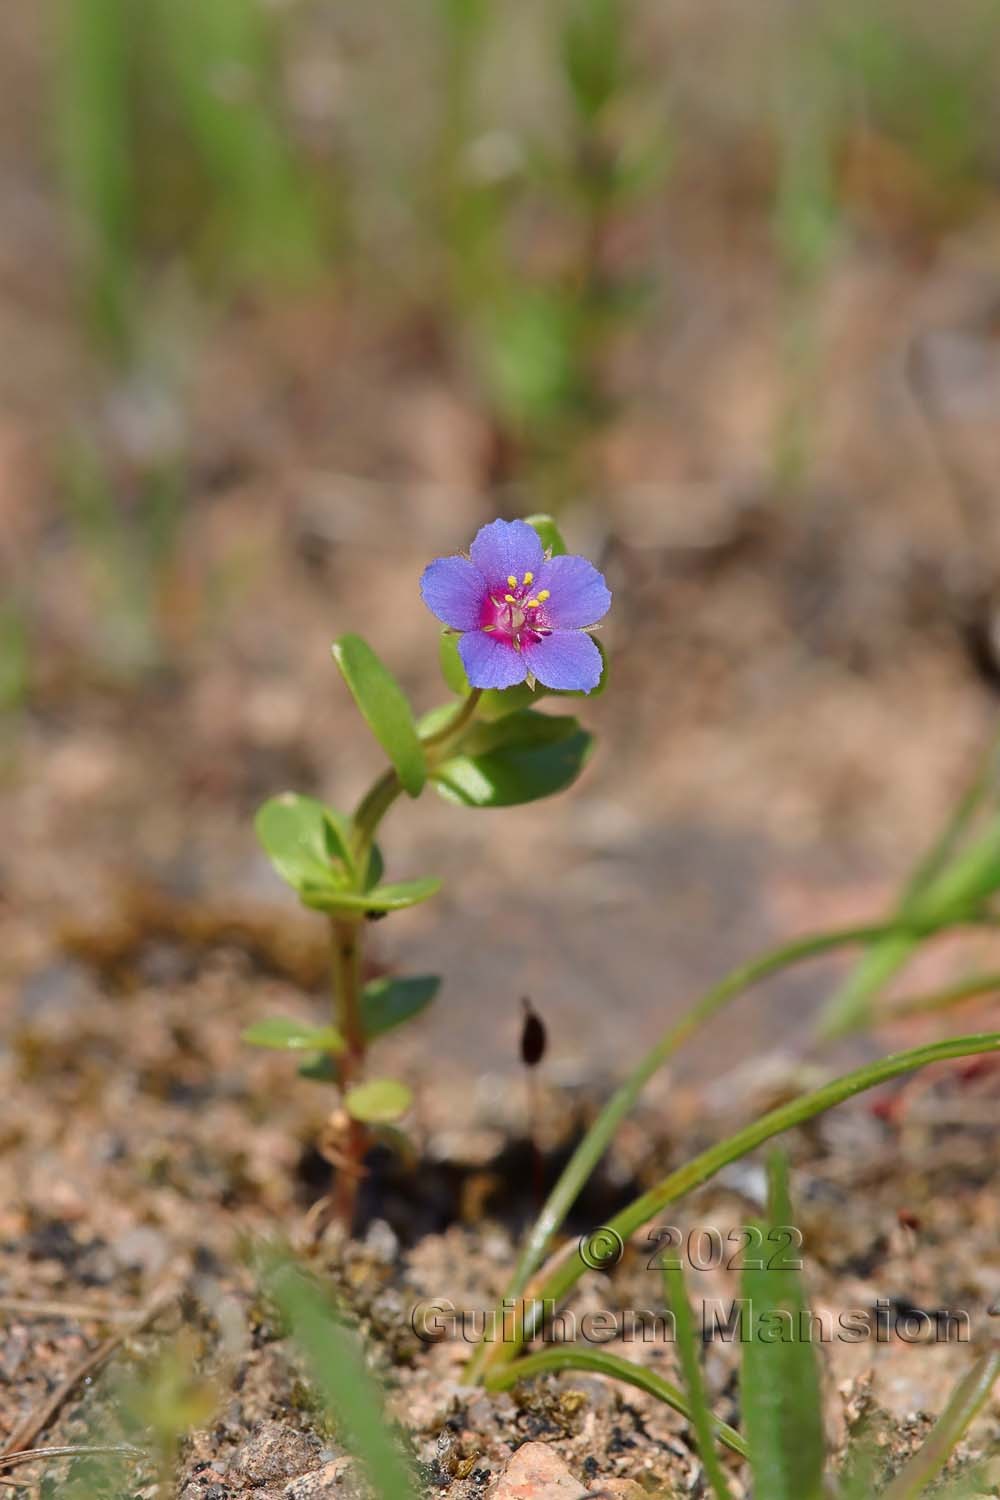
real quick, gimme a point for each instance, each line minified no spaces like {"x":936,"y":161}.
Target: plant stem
{"x":370,"y":811}
{"x":463,"y":715}
{"x":594,"y":1144}
{"x":347,"y":943}
{"x":387,"y":788}
{"x":704,"y":1166}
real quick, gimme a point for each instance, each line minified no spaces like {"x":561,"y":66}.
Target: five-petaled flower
{"x":520,"y":613}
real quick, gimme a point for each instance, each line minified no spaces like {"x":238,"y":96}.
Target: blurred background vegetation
{"x":512,"y":194}
{"x":296,"y":294}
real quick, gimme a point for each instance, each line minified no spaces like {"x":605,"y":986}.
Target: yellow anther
{"x":509,"y":599}
{"x":531,"y":604}
{"x":512,"y":581}
{"x":544,"y":594}
{"x":528,"y":578}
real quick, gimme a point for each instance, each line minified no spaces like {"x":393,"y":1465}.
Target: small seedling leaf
{"x":378,"y":1102}
{"x":319,"y":1069}
{"x":305,"y":841}
{"x":386,"y":1003}
{"x":287,"y":1035}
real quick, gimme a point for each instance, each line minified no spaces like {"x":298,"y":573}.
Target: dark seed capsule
{"x":533,"y":1037}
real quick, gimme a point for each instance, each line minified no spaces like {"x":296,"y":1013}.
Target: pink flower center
{"x":516,"y":613}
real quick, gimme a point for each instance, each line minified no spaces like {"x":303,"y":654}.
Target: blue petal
{"x":507,"y":547}
{"x":580,"y":597}
{"x":490,"y":661}
{"x":455,"y":591}
{"x":566,"y":659}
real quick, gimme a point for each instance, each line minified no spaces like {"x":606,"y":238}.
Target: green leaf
{"x":598,"y":1138}
{"x":376,"y":868}
{"x":321,"y":1069}
{"x":498,"y":703}
{"x":549,"y":534}
{"x":379,"y":1101}
{"x":451,"y":664}
{"x":529,"y":339}
{"x":594,"y":55}
{"x":386,"y":1003}
{"x":384,"y":706}
{"x":780,"y":1382}
{"x":949,"y":882}
{"x":381,"y":898}
{"x":304,"y":840}
{"x":519,"y":758}
{"x":851,"y":1005}
{"x":287,"y":1035}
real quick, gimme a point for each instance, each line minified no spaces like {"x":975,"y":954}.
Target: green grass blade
{"x":780,"y":1383}
{"x":947,"y":877}
{"x":850,"y":1007}
{"x":95,"y":134}
{"x":985,"y":781}
{"x":350,"y":1395}
{"x":598,"y":1362}
{"x":704,"y":1166}
{"x":967,"y":1400}
{"x":598,"y":1138}
{"x":705,"y":1425}
{"x":970,"y":988}
{"x":222,"y":64}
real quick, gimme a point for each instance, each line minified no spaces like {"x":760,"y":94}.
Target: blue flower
{"x":521,"y":614}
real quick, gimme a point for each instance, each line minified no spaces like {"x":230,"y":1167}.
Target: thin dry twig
{"x":77,"y":1312}
{"x":71,"y":1450}
{"x":24,"y":1436}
